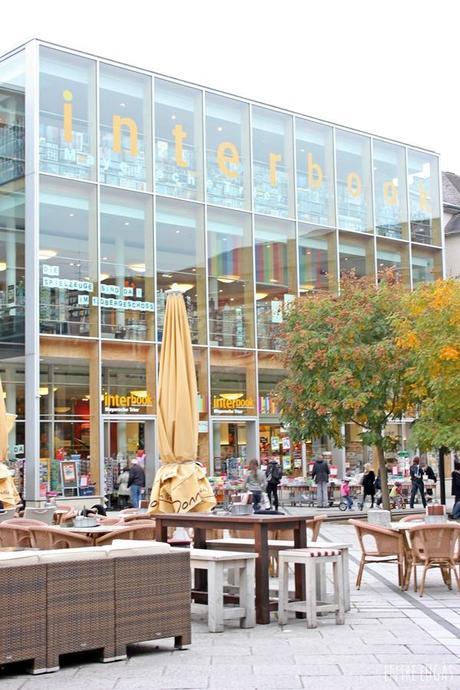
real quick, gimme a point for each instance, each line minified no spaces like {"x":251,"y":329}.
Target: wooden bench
{"x":214,"y":563}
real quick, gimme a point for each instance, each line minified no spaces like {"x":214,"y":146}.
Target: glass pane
{"x":67,"y":114}
{"x":426,"y":265}
{"x":125,"y":128}
{"x":272,"y":162}
{"x":181,"y":262}
{"x":231,"y":292}
{"x":317,"y":258}
{"x":390,"y":189}
{"x":12,"y":133}
{"x":271,"y":373}
{"x":227,"y":152}
{"x":356,"y":255}
{"x":315,"y":172}
{"x":68,"y":258}
{"x":394,"y":255}
{"x":178,"y":140}
{"x":425,"y":218}
{"x":276,"y":279}
{"x":200,"y":355}
{"x":127,"y":291}
{"x":13,"y":382}
{"x":128,"y":379}
{"x":354,"y":186}
{"x":233,"y":390}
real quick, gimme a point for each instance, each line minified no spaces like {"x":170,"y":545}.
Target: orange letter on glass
{"x":179,"y":136}
{"x":354,"y":184}
{"x":274,"y":159}
{"x":227,"y":153}
{"x":68,"y":112}
{"x":390,"y":193}
{"x":424,"y":203}
{"x":315,"y":173}
{"x":117,"y":123}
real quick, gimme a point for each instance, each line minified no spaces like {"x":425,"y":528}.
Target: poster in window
{"x":69,"y":474}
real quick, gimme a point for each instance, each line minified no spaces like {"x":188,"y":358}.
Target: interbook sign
{"x":123,"y":404}
{"x":232,"y":403}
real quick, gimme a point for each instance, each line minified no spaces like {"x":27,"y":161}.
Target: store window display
{"x":395,"y":256}
{"x":178,"y":140}
{"x":68,"y":258}
{"x":390,"y":189}
{"x":181,"y":262}
{"x":67,"y":114}
{"x":227,"y":152}
{"x":425,"y":220}
{"x":233,"y":390}
{"x":317,"y":259}
{"x":354,"y":189}
{"x":128,"y":379}
{"x":125,"y":141}
{"x":230,"y":270}
{"x":126,"y":266}
{"x":273,"y":164}
{"x":276,"y":278}
{"x":426,"y":265}
{"x":356,"y":255}
{"x":315,"y":172}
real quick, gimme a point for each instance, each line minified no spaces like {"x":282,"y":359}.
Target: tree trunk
{"x":383,"y":478}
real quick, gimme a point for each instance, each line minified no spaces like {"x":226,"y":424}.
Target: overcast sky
{"x":386,"y":67}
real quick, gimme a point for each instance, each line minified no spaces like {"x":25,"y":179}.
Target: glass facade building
{"x":116,"y":184}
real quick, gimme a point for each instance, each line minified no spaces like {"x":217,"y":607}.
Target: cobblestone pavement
{"x":391,"y":639}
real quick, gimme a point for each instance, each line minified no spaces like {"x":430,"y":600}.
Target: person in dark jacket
{"x":136,"y":482}
{"x":456,"y":481}
{"x":368,"y":484}
{"x":274,"y":474}
{"x":416,"y":475}
{"x":321,"y":476}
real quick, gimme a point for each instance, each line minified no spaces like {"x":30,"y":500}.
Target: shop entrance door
{"x":124,"y":439}
{"x":234,"y":444}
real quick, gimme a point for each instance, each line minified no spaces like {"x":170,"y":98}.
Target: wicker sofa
{"x":103,"y":598}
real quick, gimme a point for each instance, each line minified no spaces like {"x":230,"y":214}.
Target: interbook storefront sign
{"x":232,"y":403}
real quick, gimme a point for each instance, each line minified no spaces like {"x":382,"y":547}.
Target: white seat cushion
{"x":11,"y":558}
{"x":135,"y":547}
{"x":89,"y":553}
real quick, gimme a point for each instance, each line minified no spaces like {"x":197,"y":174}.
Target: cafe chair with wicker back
{"x":434,"y":546}
{"x":378,"y":545}
{"x":45,"y":537}
{"x":14,"y":536}
{"x":413,"y":518}
{"x":133,"y":531}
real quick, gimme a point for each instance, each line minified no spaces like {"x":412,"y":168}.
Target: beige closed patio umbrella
{"x":8,"y":492}
{"x":180,"y":484}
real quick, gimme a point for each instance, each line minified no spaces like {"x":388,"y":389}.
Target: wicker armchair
{"x":132,"y":532}
{"x":434,"y":546}
{"x":410,"y":518}
{"x":22,"y":522}
{"x":386,"y":546}
{"x":45,"y":537}
{"x":13,"y":535}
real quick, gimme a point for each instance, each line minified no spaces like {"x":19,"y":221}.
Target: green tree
{"x":344,"y":365}
{"x":429,"y":330}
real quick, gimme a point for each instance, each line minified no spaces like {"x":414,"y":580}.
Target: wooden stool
{"x":214,"y":563}
{"x":310,"y":558}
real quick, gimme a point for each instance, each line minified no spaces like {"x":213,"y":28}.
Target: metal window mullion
{"x":409,"y":229}
{"x":336,"y":208}
{"x":374,"y":230}
{"x":296,"y":210}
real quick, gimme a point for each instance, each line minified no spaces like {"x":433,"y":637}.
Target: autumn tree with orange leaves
{"x":344,"y":364}
{"x":429,"y":330}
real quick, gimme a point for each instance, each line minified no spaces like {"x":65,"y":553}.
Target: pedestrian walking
{"x":416,"y":475}
{"x":123,"y":491}
{"x":321,"y":476}
{"x":345,"y":492}
{"x":274,"y":474}
{"x":136,"y":482}
{"x":255,"y":482}
{"x":368,"y":484}
{"x":456,"y":481}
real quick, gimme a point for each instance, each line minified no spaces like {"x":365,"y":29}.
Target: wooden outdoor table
{"x":92,"y":532}
{"x":259,"y":526}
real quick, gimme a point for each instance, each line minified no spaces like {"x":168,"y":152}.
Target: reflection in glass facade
{"x":145,"y":184}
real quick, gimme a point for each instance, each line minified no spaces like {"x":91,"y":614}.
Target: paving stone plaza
{"x":390,"y":639}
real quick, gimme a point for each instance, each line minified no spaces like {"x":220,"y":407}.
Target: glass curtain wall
{"x":315,"y":172}
{"x":67,"y":114}
{"x":317,"y":258}
{"x":125,"y":137}
{"x":390,"y":190}
{"x":354,"y":188}
{"x":230,"y":269}
{"x":126,"y":266}
{"x":227,"y":152}
{"x":425,"y":212}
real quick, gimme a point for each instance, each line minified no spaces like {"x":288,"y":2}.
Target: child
{"x":345,"y":492}
{"x":396,"y":494}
